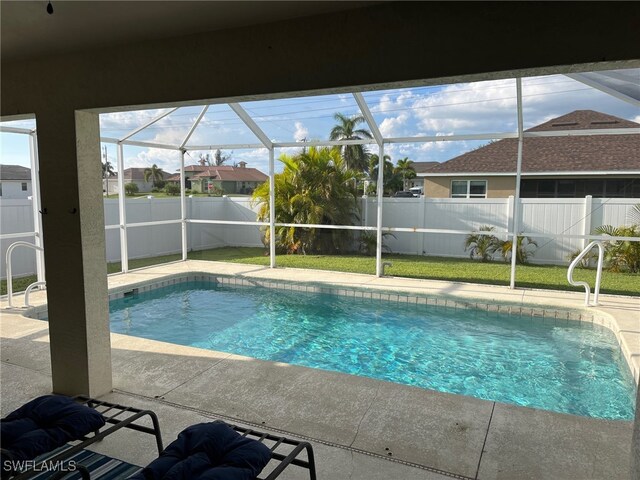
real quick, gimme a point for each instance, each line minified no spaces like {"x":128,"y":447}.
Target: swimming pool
{"x":564,"y":366}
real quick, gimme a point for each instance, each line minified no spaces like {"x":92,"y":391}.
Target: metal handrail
{"x":596,"y":289}
{"x":27,"y":292}
{"x":10,"y":250}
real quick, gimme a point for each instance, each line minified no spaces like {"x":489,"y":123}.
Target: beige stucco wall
{"x":497,"y":187}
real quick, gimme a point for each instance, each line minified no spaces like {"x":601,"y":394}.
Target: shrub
{"x":621,"y":255}
{"x":130,"y":188}
{"x":172,"y":189}
{"x":216,"y":191}
{"x":482,"y":246}
{"x":525,"y":249}
{"x":587,"y":260}
{"x":369,"y":242}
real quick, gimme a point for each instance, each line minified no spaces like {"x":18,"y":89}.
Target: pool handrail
{"x":10,"y":250}
{"x":596,"y":288}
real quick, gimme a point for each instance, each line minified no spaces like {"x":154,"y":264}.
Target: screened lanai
{"x":447,"y":119}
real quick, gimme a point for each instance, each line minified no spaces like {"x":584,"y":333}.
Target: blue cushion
{"x":208,"y":451}
{"x":46,"y":423}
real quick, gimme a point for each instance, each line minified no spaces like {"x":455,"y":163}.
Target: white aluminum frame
{"x":265,"y":142}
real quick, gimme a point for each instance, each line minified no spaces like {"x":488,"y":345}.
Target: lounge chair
{"x":51,"y":421}
{"x":216,"y":450}
{"x":48,"y":423}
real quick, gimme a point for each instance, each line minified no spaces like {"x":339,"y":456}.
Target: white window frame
{"x":468,"y":193}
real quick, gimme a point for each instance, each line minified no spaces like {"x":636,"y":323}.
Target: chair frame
{"x":285,"y":460}
{"x":115,"y":410}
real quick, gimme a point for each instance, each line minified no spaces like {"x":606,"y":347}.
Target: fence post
{"x":588,"y":208}
{"x":510,"y":212}
{"x":420,"y":236}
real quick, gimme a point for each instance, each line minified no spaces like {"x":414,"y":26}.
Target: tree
{"x":355,"y":156}
{"x":404,"y":168}
{"x":219,"y":158}
{"x":392,"y":181}
{"x":315,"y":187}
{"x":107,"y":172}
{"x":155,"y":174}
{"x":130,"y":188}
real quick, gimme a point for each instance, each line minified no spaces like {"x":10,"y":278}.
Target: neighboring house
{"x":236,"y":179}
{"x":15,"y":182}
{"x":136,"y":175}
{"x":419,"y":167}
{"x":552,"y":167}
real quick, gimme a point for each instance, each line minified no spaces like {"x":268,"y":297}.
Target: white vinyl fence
{"x":539,"y":218}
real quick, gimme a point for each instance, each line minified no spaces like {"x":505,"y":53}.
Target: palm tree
{"x":392,"y":180}
{"x":315,"y":187}
{"x":482,"y":246}
{"x":155,"y":174}
{"x":355,"y":156}
{"x":525,"y":248}
{"x":621,"y":255}
{"x":404,"y":167}
{"x":107,"y":172}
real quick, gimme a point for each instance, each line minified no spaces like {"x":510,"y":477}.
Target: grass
{"x":413,"y":266}
{"x":165,"y":195}
{"x":552,"y":277}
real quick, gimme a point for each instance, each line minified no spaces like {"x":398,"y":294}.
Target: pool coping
{"x":546,"y":305}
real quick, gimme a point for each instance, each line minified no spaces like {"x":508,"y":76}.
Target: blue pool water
{"x":574,"y":368}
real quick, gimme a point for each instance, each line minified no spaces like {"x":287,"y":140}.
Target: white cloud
{"x":301,"y":132}
{"x":392,"y":126}
{"x":128,"y":120}
{"x":468,"y":108}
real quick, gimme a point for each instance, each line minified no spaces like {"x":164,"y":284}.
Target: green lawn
{"x":413,"y":266}
{"x":440,"y":268}
{"x":164,"y":195}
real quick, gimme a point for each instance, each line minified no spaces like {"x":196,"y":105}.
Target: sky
{"x":458,"y":109}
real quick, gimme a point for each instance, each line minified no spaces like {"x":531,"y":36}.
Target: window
{"x":0,"y":189}
{"x":579,"y":188}
{"x":468,"y":189}
{"x":24,"y":186}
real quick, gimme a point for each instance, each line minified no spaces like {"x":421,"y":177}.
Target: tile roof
{"x":557,"y":154}
{"x":422,"y":167}
{"x":14,"y":172}
{"x":137,"y":173}
{"x":228,"y":173}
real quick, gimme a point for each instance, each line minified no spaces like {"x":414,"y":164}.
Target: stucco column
{"x":75,"y":259}
{"x":635,"y":443}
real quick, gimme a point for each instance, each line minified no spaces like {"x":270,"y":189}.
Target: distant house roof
{"x":556,"y":154}
{"x":137,"y":173}
{"x":421,"y":167}
{"x":14,"y":172}
{"x":224,"y":173}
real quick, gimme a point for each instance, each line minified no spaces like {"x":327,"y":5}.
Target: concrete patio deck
{"x":360,"y":428}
